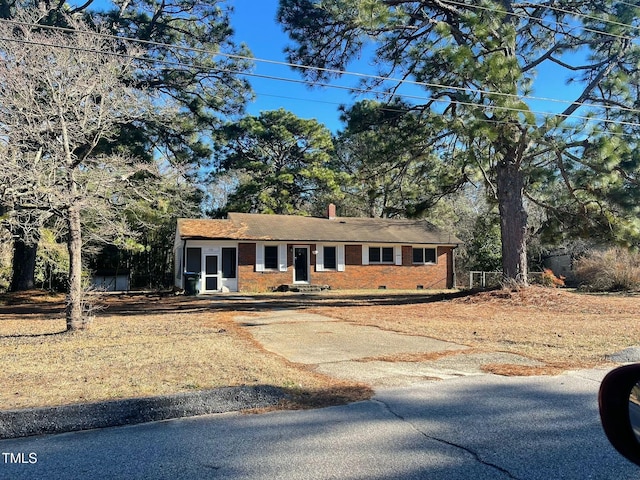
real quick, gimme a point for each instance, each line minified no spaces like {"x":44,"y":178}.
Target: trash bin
{"x":191,"y":281}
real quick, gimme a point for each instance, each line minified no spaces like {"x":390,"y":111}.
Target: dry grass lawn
{"x":560,"y":328}
{"x":142,"y":346}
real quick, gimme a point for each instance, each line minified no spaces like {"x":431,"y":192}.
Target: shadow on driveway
{"x":491,"y":428}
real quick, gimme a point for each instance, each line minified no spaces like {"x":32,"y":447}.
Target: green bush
{"x":612,"y":270}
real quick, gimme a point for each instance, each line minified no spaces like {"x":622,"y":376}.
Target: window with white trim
{"x":271,"y":257}
{"x":424,"y":255}
{"x":330,"y":258}
{"x":381,"y":255}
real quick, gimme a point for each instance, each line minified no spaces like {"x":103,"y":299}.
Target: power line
{"x":352,"y":89}
{"x":398,"y":81}
{"x":629,"y":4}
{"x":591,"y":17}
{"x":388,"y":108}
{"x":438,"y":100}
{"x":561,"y":10}
{"x":339,"y":87}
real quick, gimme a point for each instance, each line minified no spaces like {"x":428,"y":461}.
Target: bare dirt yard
{"x":151,"y":345}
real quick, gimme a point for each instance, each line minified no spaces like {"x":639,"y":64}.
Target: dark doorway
{"x":301,"y":264}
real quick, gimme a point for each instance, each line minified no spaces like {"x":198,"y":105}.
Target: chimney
{"x":331,"y":212}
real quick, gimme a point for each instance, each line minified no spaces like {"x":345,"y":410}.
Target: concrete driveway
{"x":354,"y":352}
{"x":471,"y":426}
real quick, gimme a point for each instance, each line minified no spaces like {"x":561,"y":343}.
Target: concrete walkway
{"x":354,"y":352}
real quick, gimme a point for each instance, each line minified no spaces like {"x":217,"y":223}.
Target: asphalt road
{"x":472,"y":427}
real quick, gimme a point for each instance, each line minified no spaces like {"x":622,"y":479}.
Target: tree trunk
{"x":513,"y":222}
{"x":24,"y":265}
{"x":75,"y":319}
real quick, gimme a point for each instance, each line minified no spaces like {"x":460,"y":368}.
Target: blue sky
{"x":254,"y":23}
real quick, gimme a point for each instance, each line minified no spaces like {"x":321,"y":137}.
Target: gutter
{"x":183,"y":264}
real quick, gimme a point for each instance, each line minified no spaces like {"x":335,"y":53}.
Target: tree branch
{"x":593,"y":84}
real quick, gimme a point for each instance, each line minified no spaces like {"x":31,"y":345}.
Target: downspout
{"x":453,"y":266}
{"x":183,"y":265}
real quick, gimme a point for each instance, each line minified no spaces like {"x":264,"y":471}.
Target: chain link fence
{"x":478,"y":279}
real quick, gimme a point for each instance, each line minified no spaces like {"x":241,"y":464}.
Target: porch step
{"x":302,"y":288}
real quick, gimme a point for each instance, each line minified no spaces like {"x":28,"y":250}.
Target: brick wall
{"x":355,"y":276}
{"x":353,"y":254}
{"x":246,"y":254}
{"x":406,"y":277}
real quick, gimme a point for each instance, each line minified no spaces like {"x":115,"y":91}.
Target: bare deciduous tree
{"x":62,"y":93}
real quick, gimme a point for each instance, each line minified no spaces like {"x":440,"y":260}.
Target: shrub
{"x":612,"y":270}
{"x":549,"y":279}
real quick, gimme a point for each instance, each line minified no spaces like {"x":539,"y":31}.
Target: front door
{"x":301,"y":265}
{"x":211,"y":280}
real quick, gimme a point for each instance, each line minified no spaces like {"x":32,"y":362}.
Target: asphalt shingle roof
{"x":257,"y":227}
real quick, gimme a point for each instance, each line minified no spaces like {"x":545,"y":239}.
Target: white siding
{"x":340,"y":254}
{"x":259,"y":257}
{"x":365,"y":254}
{"x":320,"y":258}
{"x":282,"y":257}
{"x":397,"y":250}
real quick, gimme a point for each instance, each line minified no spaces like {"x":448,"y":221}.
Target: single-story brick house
{"x":257,"y":253}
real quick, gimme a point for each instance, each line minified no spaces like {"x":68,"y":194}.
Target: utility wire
{"x":389,"y":108}
{"x":582,"y":15}
{"x":398,"y":81}
{"x":443,"y":101}
{"x":557,"y":9}
{"x":375,"y":77}
{"x":629,"y":4}
{"x":569,"y":12}
{"x":339,"y":87}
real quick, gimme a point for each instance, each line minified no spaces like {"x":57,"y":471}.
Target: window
{"x":424,"y":255}
{"x":380,"y":254}
{"x":194,"y":260}
{"x":330,"y":259}
{"x":228,"y":263}
{"x":271,"y":257}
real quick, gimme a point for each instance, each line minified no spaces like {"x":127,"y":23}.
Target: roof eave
{"x":305,"y":241}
